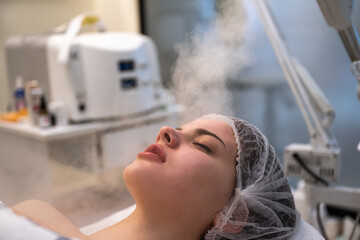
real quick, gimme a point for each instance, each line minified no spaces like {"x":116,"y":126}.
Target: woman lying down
{"x":213,"y":178}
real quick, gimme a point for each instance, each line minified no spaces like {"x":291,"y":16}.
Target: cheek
{"x":204,"y":175}
{"x":188,"y":176}
{"x":199,"y":171}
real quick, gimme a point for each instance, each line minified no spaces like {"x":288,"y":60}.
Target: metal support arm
{"x":316,"y":110}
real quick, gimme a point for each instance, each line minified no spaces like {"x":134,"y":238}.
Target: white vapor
{"x":208,"y":59}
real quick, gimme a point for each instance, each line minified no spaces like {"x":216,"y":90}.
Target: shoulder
{"x":47,"y":216}
{"x":28,"y":204}
{"x":40,"y":212}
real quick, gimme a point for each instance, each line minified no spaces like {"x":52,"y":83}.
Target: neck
{"x":141,"y":225}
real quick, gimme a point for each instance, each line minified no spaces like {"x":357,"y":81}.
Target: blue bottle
{"x":19,"y":95}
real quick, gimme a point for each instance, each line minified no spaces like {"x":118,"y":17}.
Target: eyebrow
{"x":201,"y":131}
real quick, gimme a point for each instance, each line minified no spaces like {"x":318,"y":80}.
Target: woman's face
{"x":191,"y":168}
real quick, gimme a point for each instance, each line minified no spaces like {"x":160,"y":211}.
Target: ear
{"x":216,"y":219}
{"x":239,"y":215}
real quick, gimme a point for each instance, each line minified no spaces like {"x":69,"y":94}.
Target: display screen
{"x":128,"y":83}
{"x":126,"y":65}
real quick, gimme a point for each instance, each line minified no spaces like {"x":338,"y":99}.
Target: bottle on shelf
{"x":33,"y":96}
{"x":43,"y":118}
{"x":19,"y":97}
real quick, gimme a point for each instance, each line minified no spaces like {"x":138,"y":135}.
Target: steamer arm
{"x":321,"y":155}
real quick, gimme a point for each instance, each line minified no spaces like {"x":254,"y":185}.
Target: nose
{"x":169,"y":137}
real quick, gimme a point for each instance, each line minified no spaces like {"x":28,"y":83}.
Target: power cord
{"x":301,"y":162}
{"x":355,"y":225}
{"x":319,"y":222}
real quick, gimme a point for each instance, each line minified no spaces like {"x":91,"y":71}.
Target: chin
{"x":130,"y":174}
{"x":141,"y":178}
{"x":147,"y":184}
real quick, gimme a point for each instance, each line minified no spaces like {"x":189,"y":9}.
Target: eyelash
{"x":203,"y":146}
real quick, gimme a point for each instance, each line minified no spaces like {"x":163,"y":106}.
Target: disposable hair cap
{"x":262,"y":206}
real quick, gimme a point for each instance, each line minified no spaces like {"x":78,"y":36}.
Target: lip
{"x":154,"y":151}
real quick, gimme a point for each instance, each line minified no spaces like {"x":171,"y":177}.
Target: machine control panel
{"x":126,"y":65}
{"x":324,"y":162}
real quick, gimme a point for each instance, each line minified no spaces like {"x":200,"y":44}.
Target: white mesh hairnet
{"x":262,"y":206}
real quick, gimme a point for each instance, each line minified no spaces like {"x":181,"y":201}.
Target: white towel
{"x":308,"y":232}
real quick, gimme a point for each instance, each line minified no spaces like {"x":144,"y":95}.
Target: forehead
{"x":218,"y":127}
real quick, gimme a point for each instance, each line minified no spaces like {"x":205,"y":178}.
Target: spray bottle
{"x":19,"y":97}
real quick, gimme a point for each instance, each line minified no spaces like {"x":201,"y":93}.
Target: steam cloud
{"x":207,"y":60}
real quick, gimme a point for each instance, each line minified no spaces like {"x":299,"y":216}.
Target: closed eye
{"x":203,"y":146}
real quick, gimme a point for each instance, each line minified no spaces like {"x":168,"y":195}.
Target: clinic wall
{"x":35,"y":16}
{"x":321,"y":51}
{"x":168,"y":22}
{"x":119,"y":15}
{"x":272,"y":106}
